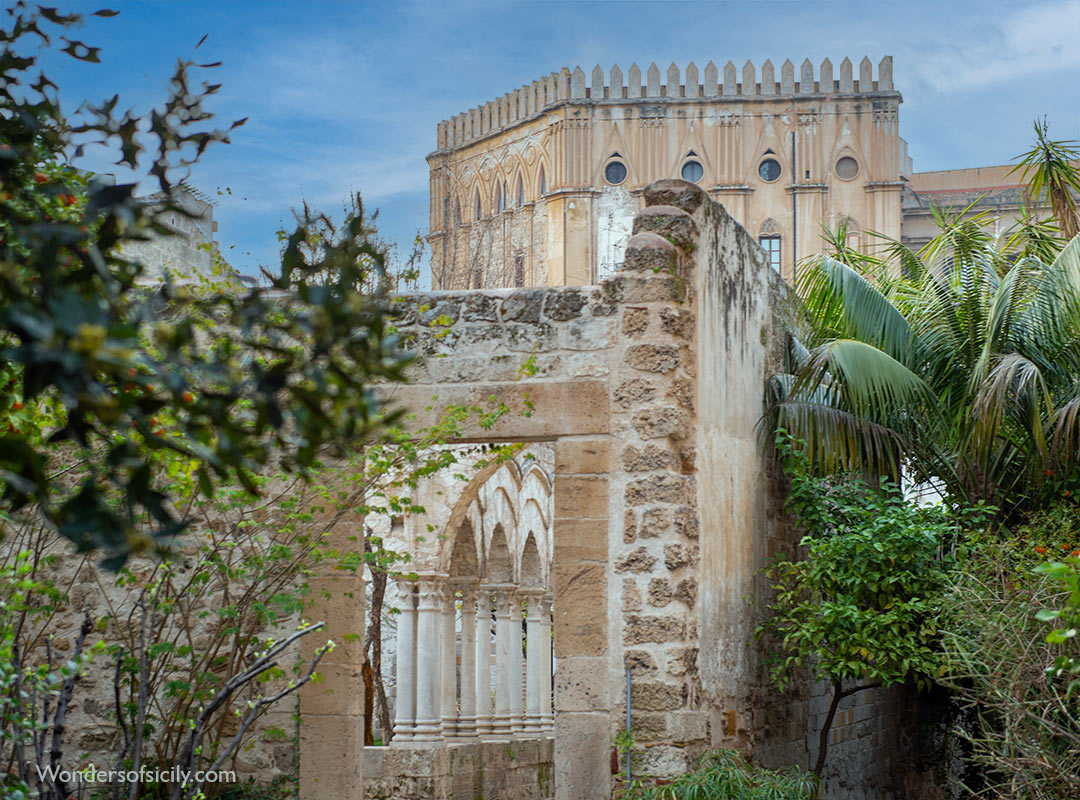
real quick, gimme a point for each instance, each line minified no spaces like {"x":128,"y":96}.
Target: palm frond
{"x":834,"y":292}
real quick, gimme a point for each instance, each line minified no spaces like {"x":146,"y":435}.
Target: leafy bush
{"x":1014,"y":675}
{"x":863,"y":604}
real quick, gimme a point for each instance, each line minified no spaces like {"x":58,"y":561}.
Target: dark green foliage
{"x":864,"y":603}
{"x":957,"y":364}
{"x":1009,"y":640}
{"x":862,"y":607}
{"x":263,"y":376}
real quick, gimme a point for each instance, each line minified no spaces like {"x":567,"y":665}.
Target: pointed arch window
{"x":543,"y":182}
{"x":500,"y":197}
{"x":520,"y":192}
{"x":769,"y":239}
{"x":479,"y":210}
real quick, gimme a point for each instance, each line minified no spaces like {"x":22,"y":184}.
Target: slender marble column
{"x":405,"y":707}
{"x":547,"y":717}
{"x":483,"y":661}
{"x":517,"y":718}
{"x":504,"y":601}
{"x":429,"y":608}
{"x":534,"y":662}
{"x":449,"y":661}
{"x":466,"y":726}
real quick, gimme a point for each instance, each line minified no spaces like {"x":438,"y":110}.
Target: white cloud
{"x":1036,"y":40}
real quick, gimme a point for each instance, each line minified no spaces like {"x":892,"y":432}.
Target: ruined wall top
{"x":710,"y":84}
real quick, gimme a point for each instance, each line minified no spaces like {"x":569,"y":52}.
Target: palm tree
{"x":1053,"y":175}
{"x":958,"y":364}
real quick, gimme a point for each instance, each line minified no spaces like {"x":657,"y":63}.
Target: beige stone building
{"x":540,"y":186}
{"x":996,"y":192}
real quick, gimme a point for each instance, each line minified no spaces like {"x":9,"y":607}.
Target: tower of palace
{"x":539,"y":186}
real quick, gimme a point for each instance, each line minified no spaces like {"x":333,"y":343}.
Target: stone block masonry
{"x":649,"y":388}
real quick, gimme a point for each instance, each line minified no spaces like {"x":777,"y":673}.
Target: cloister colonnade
{"x":463,"y":667}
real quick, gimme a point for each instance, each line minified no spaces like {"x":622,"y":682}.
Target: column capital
{"x":431,"y":591}
{"x":467,"y":587}
{"x":504,"y":601}
{"x":534,"y":602}
{"x":402,"y":592}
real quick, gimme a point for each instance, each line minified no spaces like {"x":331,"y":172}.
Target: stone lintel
{"x":565,"y":408}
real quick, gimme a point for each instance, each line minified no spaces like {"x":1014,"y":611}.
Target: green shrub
{"x":727,"y":775}
{"x":1014,"y":675}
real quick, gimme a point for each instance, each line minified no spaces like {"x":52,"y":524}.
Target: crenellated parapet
{"x":690,"y":85}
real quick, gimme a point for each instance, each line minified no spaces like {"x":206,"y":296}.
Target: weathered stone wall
{"x":184,"y":253}
{"x":500,"y":770}
{"x":651,"y":387}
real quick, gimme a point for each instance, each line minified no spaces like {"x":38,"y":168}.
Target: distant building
{"x":186,"y":252}
{"x":990,"y":190}
{"x":558,"y":167}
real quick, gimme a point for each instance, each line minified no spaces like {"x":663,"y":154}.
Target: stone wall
{"x":183,"y":253}
{"x":499,"y":770}
{"x":651,"y":387}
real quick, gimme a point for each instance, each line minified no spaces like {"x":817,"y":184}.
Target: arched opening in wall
{"x":543,"y":181}
{"x":479,"y":210}
{"x":500,"y":196}
{"x":770,"y":241}
{"x":520,"y":192}
{"x":852,"y":234}
{"x":474,"y":641}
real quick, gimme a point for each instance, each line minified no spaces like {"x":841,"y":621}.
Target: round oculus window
{"x":847,"y":168}
{"x":692,"y":171}
{"x":769,"y":170}
{"x":615,"y":172}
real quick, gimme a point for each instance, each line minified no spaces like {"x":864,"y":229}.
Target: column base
{"x":466,"y":728}
{"x":427,"y":731}
{"x":532,"y":725}
{"x":500,"y":726}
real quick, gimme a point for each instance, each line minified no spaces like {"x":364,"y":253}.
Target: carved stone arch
{"x":464,"y":557}
{"x":533,"y":525}
{"x":770,"y":227}
{"x":531,"y":573}
{"x":498,"y":566}
{"x":854,"y":231}
{"x":770,"y":140}
{"x":847,"y":144}
{"x":541,"y":184}
{"x":471,"y":505}
{"x":500,"y":512}
{"x":615,"y":148}
{"x":517,"y":184}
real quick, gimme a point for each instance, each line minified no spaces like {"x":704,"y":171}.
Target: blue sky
{"x":345,"y":96}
